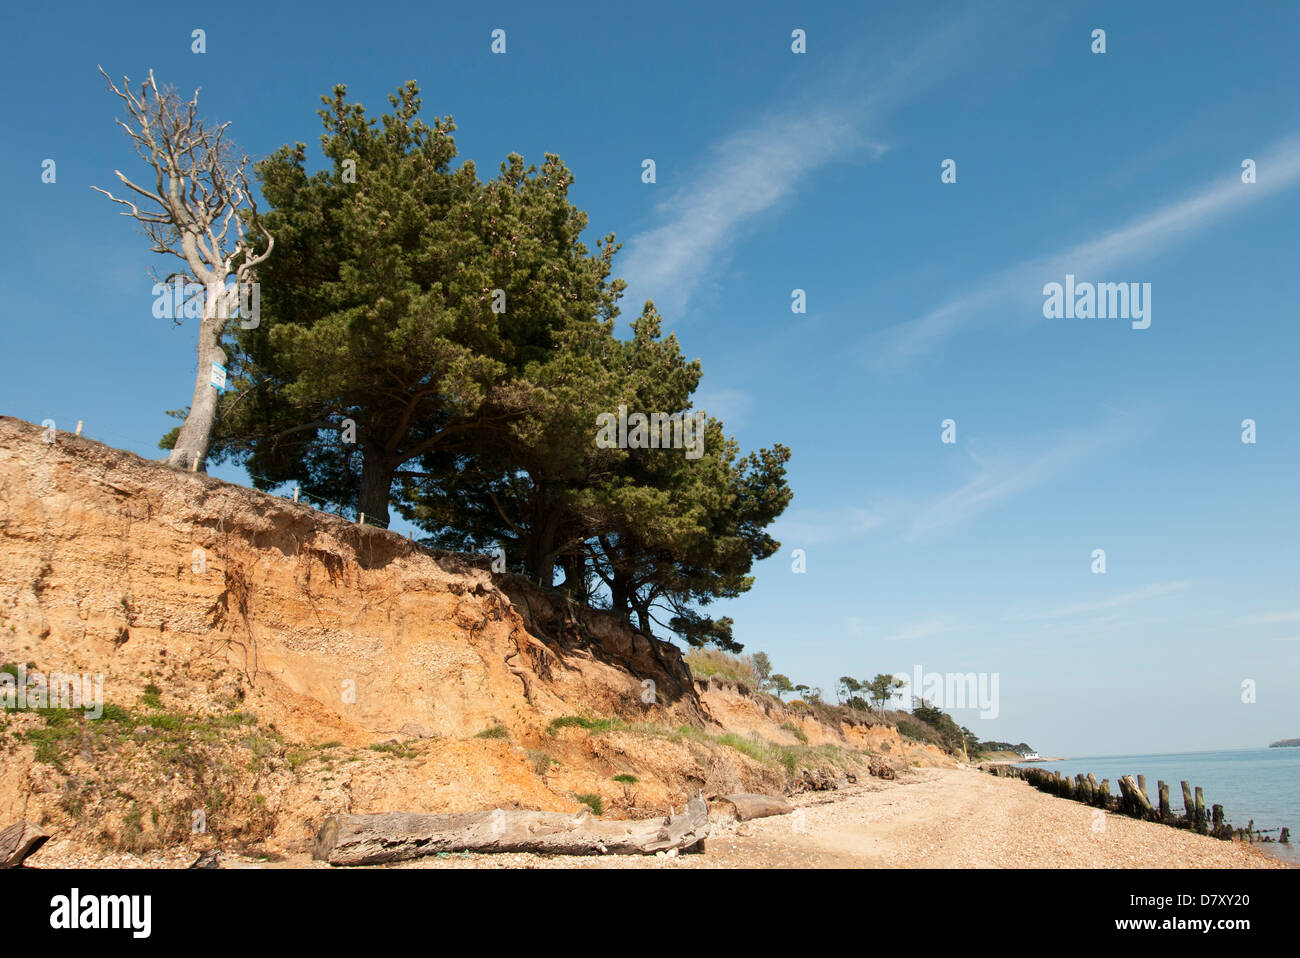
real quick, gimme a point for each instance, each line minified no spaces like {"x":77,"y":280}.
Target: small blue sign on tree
{"x":219,"y":376}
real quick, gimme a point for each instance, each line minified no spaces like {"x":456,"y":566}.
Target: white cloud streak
{"x":1004,"y":477}
{"x":1138,"y":239}
{"x":1271,"y":618}
{"x":922,"y":630}
{"x":732,"y":406}
{"x":809,"y":527}
{"x":1153,"y":591}
{"x":751,"y":171}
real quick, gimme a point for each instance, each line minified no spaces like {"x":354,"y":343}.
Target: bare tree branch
{"x":200,"y":192}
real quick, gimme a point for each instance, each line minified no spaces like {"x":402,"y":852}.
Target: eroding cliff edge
{"x":265,"y":664}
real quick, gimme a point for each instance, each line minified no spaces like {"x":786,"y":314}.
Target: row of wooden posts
{"x":1134,"y":801}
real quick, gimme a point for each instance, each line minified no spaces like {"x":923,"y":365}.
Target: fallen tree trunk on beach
{"x":402,"y":836}
{"x":19,"y":842}
{"x":747,"y":806}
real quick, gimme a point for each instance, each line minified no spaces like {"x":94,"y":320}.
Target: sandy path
{"x":960,"y":818}
{"x":932,"y":818}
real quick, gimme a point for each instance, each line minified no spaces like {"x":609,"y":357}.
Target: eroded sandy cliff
{"x":266,"y":664}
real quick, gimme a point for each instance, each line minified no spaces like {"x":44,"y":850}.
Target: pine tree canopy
{"x":446,"y":346}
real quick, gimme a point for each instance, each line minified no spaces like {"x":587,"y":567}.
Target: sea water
{"x":1250,"y":783}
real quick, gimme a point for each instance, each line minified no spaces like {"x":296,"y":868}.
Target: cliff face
{"x":335,"y":631}
{"x":272,"y":664}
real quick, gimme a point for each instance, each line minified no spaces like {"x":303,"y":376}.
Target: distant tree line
{"x":925,"y":722}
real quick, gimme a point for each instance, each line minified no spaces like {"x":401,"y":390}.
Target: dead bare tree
{"x":200,"y":191}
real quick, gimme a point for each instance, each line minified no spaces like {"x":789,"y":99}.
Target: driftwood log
{"x":402,"y":836}
{"x":20,"y":841}
{"x":747,"y":806}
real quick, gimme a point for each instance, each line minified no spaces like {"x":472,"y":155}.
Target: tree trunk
{"x":623,"y":595}
{"x":539,"y":554}
{"x":618,"y":593}
{"x":191,"y":449}
{"x":376,"y":488}
{"x":402,"y":836}
{"x":544,"y":569}
{"x":575,"y":573}
{"x":746,"y":805}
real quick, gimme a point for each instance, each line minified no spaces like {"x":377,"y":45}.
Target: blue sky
{"x":821,"y":171}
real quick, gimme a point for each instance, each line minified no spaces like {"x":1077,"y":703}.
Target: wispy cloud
{"x":1001,"y":473}
{"x":755,"y":168}
{"x":922,"y":630}
{"x":1270,"y":618}
{"x":810,"y":527}
{"x":749,"y":172}
{"x":1153,"y":591}
{"x":1009,"y":474}
{"x":1138,"y":239}
{"x":730,"y":405}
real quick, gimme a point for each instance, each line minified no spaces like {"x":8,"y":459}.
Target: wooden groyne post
{"x":1133,"y":799}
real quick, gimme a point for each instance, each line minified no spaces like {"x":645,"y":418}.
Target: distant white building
{"x":1030,"y":756}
